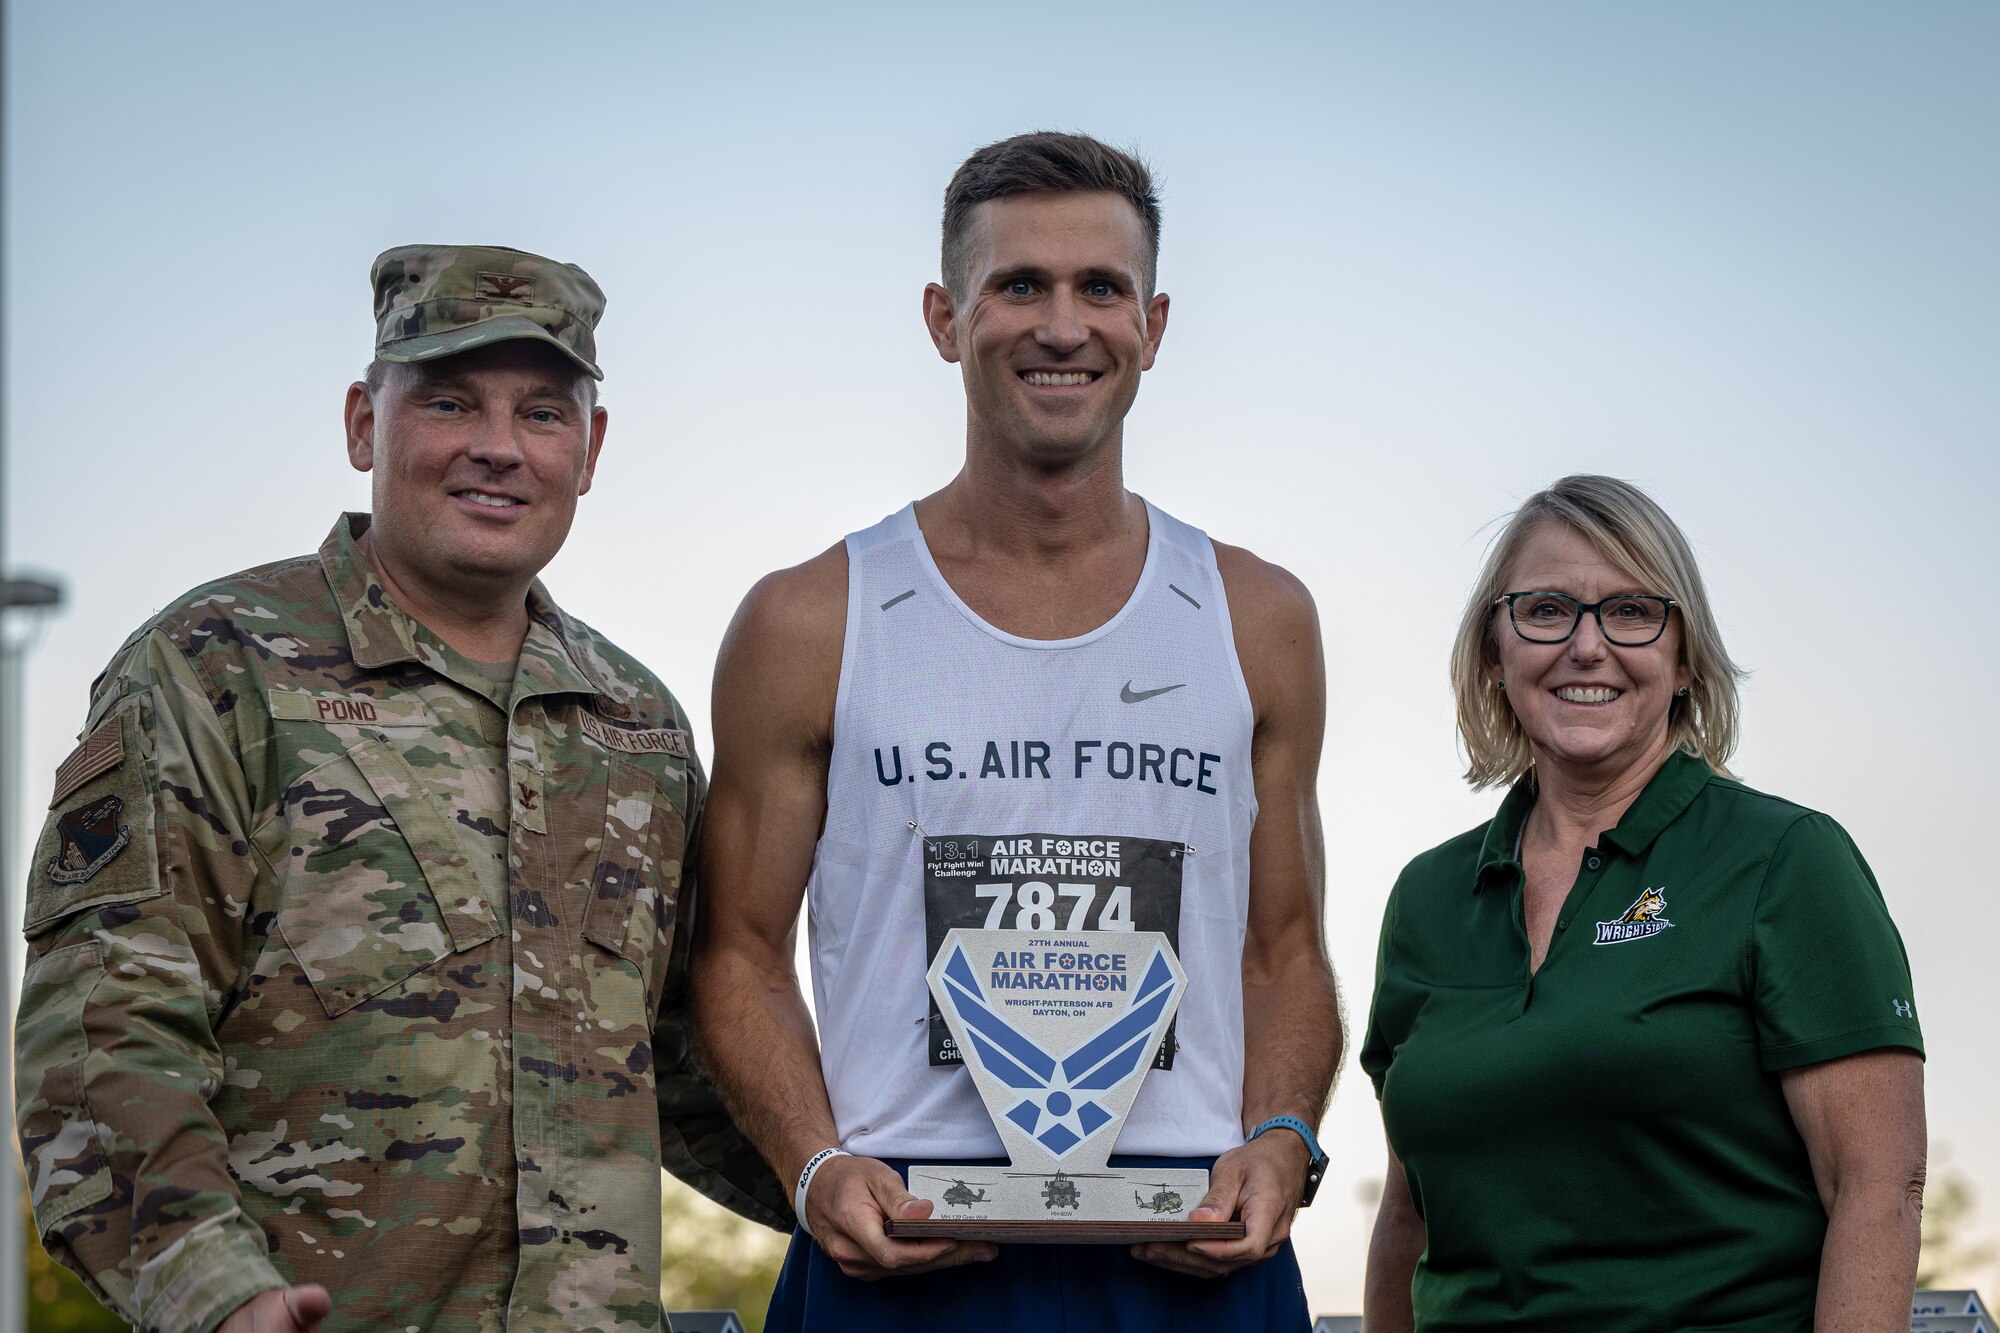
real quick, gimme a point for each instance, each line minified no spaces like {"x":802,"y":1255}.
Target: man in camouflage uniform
{"x":357,"y":925}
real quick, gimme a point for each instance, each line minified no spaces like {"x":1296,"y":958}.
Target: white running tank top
{"x":1098,"y":782}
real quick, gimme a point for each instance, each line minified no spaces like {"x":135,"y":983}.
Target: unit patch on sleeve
{"x":1646,"y":917}
{"x":91,"y":835}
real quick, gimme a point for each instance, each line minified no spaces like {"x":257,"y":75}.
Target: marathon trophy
{"x":1058,"y":1028}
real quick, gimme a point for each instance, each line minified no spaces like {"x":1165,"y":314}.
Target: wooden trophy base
{"x":1034,"y":1231}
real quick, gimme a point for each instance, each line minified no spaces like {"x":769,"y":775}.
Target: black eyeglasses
{"x":1629,"y":620}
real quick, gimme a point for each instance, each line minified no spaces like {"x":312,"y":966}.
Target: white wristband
{"x":819,"y":1159}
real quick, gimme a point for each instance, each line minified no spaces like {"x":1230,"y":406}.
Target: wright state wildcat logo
{"x":1644,"y":918}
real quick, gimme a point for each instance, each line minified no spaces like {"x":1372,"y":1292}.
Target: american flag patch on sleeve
{"x":99,"y":752}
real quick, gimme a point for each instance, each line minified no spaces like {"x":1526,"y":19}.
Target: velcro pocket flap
{"x":419,"y":813}
{"x":636,"y":884}
{"x":375,"y":885}
{"x":67,"y":1169}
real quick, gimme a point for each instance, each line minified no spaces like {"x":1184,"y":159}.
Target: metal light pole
{"x":37,"y":598}
{"x":13,"y":593}
{"x":13,"y":1251}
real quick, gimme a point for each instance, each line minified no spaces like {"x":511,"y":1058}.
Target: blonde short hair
{"x":1635,"y":535}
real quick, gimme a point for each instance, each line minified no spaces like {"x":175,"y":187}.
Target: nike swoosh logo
{"x":1132,"y":696}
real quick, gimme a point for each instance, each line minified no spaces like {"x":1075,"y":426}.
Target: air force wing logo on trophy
{"x":1059,"y":1103}
{"x":1058,"y":1031}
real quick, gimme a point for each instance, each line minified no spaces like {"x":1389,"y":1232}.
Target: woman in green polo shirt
{"x":1645,"y":1043}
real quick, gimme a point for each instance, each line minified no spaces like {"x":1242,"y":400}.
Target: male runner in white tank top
{"x":1033,"y":648}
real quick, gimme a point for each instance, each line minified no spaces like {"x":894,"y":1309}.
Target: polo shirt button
{"x":1562,"y":925}
{"x":1593,"y":863}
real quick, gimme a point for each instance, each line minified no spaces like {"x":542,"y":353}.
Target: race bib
{"x":1044,"y":882}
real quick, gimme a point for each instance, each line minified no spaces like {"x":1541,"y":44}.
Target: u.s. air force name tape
{"x":655,"y":740}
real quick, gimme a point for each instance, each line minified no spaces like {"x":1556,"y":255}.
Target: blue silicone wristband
{"x":1291,"y":1122}
{"x":1316,"y":1163}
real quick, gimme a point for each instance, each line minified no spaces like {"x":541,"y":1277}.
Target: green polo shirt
{"x":1604,"y":1145}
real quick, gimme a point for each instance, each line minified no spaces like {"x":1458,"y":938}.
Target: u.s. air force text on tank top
{"x":984,"y":780}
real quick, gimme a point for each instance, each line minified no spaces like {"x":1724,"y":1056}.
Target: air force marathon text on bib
{"x":1042,"y":885}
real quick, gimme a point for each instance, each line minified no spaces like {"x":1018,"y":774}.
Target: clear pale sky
{"x":1424,"y":258}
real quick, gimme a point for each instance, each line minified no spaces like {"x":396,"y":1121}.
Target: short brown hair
{"x":1635,"y":535}
{"x":1045,"y":162}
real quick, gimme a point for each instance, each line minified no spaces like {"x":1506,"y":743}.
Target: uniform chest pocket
{"x":375,"y":887}
{"x":635,"y":886}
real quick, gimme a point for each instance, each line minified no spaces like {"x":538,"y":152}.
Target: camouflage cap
{"x":439,"y":300}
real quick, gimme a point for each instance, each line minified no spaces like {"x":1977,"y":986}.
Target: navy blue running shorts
{"x":1040,"y":1289}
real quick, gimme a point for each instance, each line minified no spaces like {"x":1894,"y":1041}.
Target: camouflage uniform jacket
{"x":346,"y":968}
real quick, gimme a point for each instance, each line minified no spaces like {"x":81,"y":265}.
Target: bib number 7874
{"x":1038,"y":905}
{"x":1045,"y":884}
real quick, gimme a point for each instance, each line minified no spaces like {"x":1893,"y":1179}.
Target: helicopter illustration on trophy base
{"x":1060,"y":1191}
{"x":1164,"y":1200}
{"x":960,"y":1194}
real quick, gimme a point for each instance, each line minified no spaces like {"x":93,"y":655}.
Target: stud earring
{"x":1684,"y":692}
{"x":1500,"y":684}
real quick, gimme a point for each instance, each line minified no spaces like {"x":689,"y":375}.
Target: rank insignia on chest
{"x":91,"y":836}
